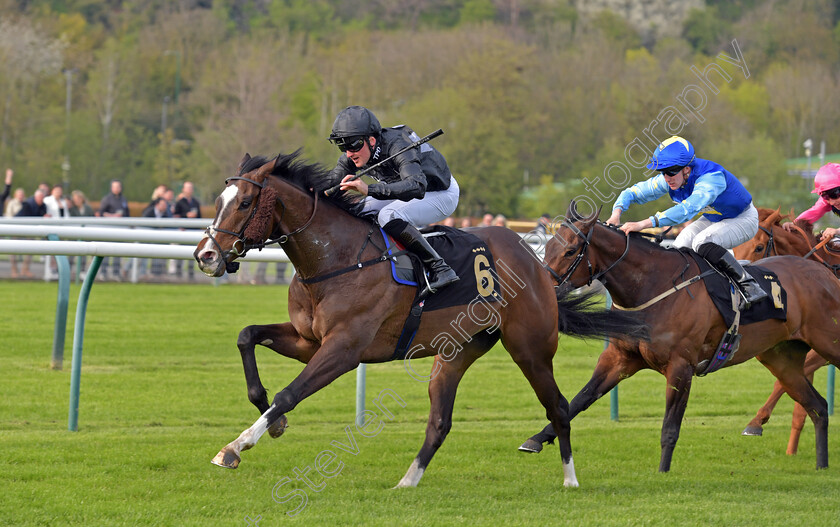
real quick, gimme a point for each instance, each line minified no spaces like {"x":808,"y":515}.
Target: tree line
{"x":538,"y":104}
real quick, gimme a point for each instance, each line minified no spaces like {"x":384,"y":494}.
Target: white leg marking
{"x":412,"y":477}
{"x":249,"y":437}
{"x":569,"y":478}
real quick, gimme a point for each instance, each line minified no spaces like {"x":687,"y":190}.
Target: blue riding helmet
{"x":672,"y":152}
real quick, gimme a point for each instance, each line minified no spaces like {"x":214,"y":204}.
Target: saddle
{"x":726,"y":297}
{"x":466,"y":254}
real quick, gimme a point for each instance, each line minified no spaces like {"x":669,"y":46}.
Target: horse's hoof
{"x":227,"y":459}
{"x":531,"y":446}
{"x":752,"y":431}
{"x":279,"y":426}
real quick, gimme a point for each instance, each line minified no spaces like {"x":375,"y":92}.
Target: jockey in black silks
{"x":414,"y":188}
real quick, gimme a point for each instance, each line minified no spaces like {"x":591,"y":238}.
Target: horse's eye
{"x":759,"y":248}
{"x":570,"y":253}
{"x":245,"y":204}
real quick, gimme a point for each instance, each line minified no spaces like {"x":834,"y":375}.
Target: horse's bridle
{"x":240,"y":246}
{"x":770,"y":248}
{"x":579,"y":258}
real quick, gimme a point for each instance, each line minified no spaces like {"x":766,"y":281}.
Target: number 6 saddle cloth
{"x":466,"y":254}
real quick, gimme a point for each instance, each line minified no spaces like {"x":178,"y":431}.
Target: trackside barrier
{"x":98,"y":250}
{"x":81,"y":228}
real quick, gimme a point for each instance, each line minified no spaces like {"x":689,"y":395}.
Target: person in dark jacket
{"x":33,"y":206}
{"x":114,"y":205}
{"x":414,"y":189}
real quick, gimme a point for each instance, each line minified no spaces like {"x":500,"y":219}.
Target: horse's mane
{"x":310,"y":177}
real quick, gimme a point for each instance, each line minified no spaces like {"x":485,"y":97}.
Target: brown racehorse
{"x":345,"y":309}
{"x":770,"y":240}
{"x":686,"y":327}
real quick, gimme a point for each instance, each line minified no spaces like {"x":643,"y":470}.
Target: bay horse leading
{"x":346,"y":309}
{"x":686,"y":327}
{"x":771,"y":240}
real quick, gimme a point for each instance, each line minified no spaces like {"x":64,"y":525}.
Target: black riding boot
{"x":440,"y":274}
{"x":726,"y":262}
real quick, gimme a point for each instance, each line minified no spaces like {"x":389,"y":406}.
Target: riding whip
{"x":332,"y":190}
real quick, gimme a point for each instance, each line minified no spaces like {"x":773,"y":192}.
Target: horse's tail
{"x":580,"y":315}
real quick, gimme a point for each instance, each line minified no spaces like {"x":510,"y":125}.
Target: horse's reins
{"x":243,"y":246}
{"x":283,"y":238}
{"x":597,"y":276}
{"x":813,"y":252}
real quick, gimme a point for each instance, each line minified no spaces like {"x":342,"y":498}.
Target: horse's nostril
{"x":207,"y":256}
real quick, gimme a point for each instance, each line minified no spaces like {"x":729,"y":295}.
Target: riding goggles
{"x":832,"y":193}
{"x":350,"y":144}
{"x":671,"y":172}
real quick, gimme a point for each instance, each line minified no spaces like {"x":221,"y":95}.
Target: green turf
{"x":162,"y":391}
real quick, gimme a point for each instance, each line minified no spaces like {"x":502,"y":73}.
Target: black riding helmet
{"x":352,"y":123}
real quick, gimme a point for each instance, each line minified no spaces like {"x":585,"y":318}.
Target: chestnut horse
{"x":770,"y":240}
{"x":346,"y":309}
{"x":686,"y":327}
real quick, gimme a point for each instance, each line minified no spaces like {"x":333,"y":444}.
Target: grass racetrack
{"x":162,"y":390}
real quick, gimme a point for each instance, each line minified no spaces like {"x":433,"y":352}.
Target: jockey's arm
{"x":641,"y":192}
{"x":816,"y":212}
{"x":706,"y":189}
{"x":412,"y":183}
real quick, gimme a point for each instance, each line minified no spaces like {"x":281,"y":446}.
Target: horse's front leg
{"x":283,"y":339}
{"x":334,"y":358}
{"x":678,"y":376}
{"x":614,"y":365}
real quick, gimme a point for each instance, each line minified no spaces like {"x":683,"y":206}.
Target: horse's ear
{"x":773,"y":218}
{"x":573,"y":215}
{"x":571,"y":212}
{"x":245,"y":159}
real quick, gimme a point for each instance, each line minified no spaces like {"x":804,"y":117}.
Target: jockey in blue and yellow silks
{"x":697,"y":186}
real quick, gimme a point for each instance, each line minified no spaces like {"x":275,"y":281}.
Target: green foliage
{"x":474,"y":11}
{"x":705,"y":30}
{"x":617,"y":30}
{"x":316,"y":18}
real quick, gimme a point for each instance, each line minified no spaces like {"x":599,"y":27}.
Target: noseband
{"x":240,"y":246}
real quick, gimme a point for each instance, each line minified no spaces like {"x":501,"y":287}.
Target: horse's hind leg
{"x":613,"y":366}
{"x":783,"y":361}
{"x":283,"y":339}
{"x":442,"y":389}
{"x":678,"y":375}
{"x":812,"y":362}
{"x":533,"y":354}
{"x":754,"y":427}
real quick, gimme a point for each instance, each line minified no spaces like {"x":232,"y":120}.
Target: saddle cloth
{"x":720,"y":289}
{"x":465,"y":253}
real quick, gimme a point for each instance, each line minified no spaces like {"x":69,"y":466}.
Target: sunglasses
{"x":350,"y":144}
{"x":833,"y":193}
{"x":671,"y":172}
